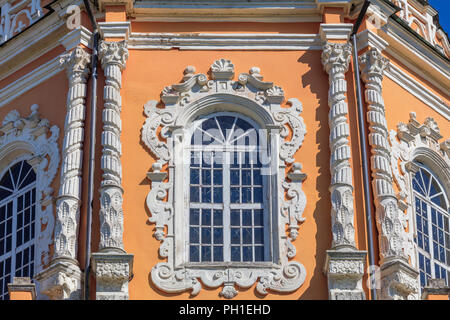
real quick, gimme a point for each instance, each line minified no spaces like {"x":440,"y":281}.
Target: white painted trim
{"x":418,"y":90}
{"x":224,"y":41}
{"x":115,"y":29}
{"x":75,"y":37}
{"x":335,"y":31}
{"x":29,"y":81}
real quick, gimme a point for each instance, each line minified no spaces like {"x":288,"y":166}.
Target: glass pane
{"x":195,"y":194}
{"x":247,"y":253}
{"x":259,"y":253}
{"x":246,"y":217}
{"x":206,"y":253}
{"x":218,"y":236}
{"x":218,"y":195}
{"x":246,"y":177}
{"x":195,"y":176}
{"x":235,"y":235}
{"x":206,"y":217}
{"x":259,"y":236}
{"x":246,"y":235}
{"x":206,"y":177}
{"x":194,"y":216}
{"x":246,"y":195}
{"x":218,"y":253}
{"x":206,"y":235}
{"x":218,"y":217}
{"x":194,"y":235}
{"x":206,"y":195}
{"x":194,"y":254}
{"x":235,"y":196}
{"x":217,"y":177}
{"x":235,"y":253}
{"x":235,"y":218}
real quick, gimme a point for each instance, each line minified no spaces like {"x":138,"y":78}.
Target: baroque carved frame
{"x":416,"y":142}
{"x":163,"y":133}
{"x":32,"y":139}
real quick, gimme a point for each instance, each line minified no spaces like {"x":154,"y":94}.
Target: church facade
{"x":224,"y":150}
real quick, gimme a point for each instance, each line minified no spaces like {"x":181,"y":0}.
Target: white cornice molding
{"x":367,"y":38}
{"x":29,"y":81}
{"x":228,"y":41}
{"x":76,"y":37}
{"x":402,"y":41}
{"x":335,"y":31}
{"x":120,"y":30}
{"x":418,"y":90}
{"x":263,"y":11}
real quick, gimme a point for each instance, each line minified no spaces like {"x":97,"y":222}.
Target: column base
{"x":62,"y":280}
{"x":345,"y":270}
{"x":399,"y":281}
{"x":113,"y":271}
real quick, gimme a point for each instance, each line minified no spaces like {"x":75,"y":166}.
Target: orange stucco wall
{"x":299,"y":73}
{"x":296,"y":72}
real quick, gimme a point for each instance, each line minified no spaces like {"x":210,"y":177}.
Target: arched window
{"x":227,"y":207}
{"x":432,"y":223}
{"x":17,"y":224}
{"x":222,"y":147}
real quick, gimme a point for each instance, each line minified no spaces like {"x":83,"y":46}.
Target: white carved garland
{"x":409,"y":142}
{"x":31,"y":138}
{"x":161,"y":133}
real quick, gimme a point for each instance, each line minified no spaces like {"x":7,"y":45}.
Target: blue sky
{"x":443,"y":7}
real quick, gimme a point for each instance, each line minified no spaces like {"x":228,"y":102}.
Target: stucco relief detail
{"x":161,"y":131}
{"x":390,"y":218}
{"x":34,"y":137}
{"x":413,"y":139}
{"x":68,"y":202}
{"x":335,"y":59}
{"x":113,"y":56}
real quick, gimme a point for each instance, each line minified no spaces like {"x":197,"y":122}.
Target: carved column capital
{"x":373,"y":64}
{"x":113,"y":53}
{"x":76,"y":64}
{"x":336,"y":57}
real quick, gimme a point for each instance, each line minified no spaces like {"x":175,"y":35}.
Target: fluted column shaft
{"x":344,"y":263}
{"x":335,"y":59}
{"x":388,"y":221}
{"x":62,"y":279}
{"x":112,"y":265}
{"x":113,"y":56}
{"x":69,"y":197}
{"x":398,"y":280}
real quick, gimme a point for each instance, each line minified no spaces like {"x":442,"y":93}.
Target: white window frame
{"x":32,"y":138}
{"x":165,"y":133}
{"x":226,"y":206}
{"x":14,"y":249}
{"x":430,"y":205}
{"x":414,"y":142}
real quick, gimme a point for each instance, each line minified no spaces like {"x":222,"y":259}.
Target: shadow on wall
{"x":322,"y":207}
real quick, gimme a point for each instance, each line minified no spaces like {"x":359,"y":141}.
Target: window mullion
{"x":226,"y":207}
{"x":14,"y":237}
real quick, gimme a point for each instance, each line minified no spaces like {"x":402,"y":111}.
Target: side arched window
{"x":17,"y":224}
{"x":432,"y":223}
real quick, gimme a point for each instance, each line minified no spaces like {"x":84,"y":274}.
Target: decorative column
{"x":398,"y":278}
{"x":63,"y":279}
{"x":344,"y":263}
{"x":112,"y":265}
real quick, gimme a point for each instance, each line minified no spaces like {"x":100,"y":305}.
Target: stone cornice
{"x":226,"y":41}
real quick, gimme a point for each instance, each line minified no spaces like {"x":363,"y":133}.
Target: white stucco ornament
{"x":164,"y":134}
